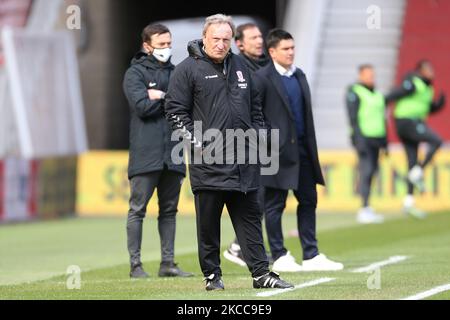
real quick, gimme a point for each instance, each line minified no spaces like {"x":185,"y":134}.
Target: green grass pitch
{"x":34,"y":259}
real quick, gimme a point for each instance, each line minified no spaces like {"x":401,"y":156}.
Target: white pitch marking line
{"x":429,"y":293}
{"x":377,"y":265}
{"x":300,"y":286}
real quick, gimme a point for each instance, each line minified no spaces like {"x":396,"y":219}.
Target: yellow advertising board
{"x":389,"y":188}
{"x":103,"y":187}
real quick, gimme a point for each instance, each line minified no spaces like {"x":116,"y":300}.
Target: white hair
{"x":219,"y":19}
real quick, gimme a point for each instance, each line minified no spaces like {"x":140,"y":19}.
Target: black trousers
{"x":412,"y":133}
{"x":306,"y":195}
{"x":368,"y":155}
{"x":168,"y":185}
{"x":245,"y":215}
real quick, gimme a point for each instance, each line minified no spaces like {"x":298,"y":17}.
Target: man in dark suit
{"x":287,"y":108}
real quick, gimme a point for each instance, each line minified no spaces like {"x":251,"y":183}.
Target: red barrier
{"x":37,"y":189}
{"x":426,"y":35}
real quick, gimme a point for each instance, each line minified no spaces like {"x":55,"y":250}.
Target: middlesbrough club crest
{"x":240,"y":75}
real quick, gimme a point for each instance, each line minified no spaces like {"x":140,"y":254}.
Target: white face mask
{"x":162,"y":55}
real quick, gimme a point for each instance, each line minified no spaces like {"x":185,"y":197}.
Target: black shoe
{"x":137,"y":272}
{"x":272,"y":281}
{"x":171,"y":269}
{"x":214,"y":282}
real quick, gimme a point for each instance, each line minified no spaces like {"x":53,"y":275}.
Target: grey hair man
{"x":213,"y":86}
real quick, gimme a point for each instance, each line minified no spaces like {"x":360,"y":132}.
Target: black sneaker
{"x":214,"y":282}
{"x":137,"y":272}
{"x":271,"y":280}
{"x":171,"y":269}
{"x":234,"y":254}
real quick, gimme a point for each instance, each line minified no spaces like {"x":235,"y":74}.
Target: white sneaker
{"x":368,"y":216}
{"x":415,"y":176}
{"x":286,"y":264}
{"x":410,"y":209}
{"x":234,"y":254}
{"x":321,"y":263}
{"x":415,"y":213}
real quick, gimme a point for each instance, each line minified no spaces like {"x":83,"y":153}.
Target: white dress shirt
{"x":285,"y":72}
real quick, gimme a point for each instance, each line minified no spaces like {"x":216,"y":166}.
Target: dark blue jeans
{"x":306,"y":195}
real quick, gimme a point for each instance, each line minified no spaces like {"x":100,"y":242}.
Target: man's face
{"x":158,"y":41}
{"x":284,"y":53}
{"x":217,"y":41}
{"x":252,"y":43}
{"x":367,"y":77}
{"x":427,"y":71}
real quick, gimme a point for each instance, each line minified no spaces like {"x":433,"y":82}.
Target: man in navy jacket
{"x":287,"y":107}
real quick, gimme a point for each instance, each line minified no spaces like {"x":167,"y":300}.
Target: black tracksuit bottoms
{"x":368,"y":165}
{"x":245,"y":214}
{"x":412,"y":133}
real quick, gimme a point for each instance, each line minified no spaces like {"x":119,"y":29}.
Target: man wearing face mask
{"x":150,"y":165}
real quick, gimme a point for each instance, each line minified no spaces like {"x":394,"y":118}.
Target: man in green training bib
{"x":367,"y":113}
{"x":414,"y":105}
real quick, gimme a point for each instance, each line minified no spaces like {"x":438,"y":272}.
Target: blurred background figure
{"x":414,"y":105}
{"x":250,"y":42}
{"x":367,"y":114}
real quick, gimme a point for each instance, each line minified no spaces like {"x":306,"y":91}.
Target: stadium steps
{"x":346,"y":42}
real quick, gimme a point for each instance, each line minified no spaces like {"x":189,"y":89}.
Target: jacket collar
{"x":256,"y":63}
{"x":275,"y":78}
{"x":195,"y":49}
{"x":283,"y":71}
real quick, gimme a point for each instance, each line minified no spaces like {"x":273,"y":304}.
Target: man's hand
{"x":156,"y":94}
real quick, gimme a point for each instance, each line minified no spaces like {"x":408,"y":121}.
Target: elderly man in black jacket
{"x":150,"y":164}
{"x":287,"y":108}
{"x":213,"y":87}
